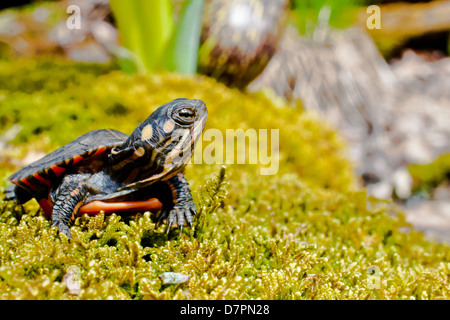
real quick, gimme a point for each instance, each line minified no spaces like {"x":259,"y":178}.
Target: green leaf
{"x":342,"y":13}
{"x":145,"y":28}
{"x":181,"y":54}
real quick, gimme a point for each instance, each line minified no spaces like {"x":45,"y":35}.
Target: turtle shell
{"x":41,"y":175}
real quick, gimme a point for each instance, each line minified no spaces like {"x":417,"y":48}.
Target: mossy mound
{"x":304,"y":233}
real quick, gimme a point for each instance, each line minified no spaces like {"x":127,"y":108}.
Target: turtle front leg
{"x":183,"y":208}
{"x":68,"y":198}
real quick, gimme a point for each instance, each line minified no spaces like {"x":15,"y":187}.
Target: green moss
{"x":305,"y":233}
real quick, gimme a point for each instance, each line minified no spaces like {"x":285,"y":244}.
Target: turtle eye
{"x":185,"y":116}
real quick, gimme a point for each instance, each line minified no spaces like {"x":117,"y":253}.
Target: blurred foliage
{"x":429,"y":176}
{"x":157,"y":41}
{"x":182,"y":51}
{"x":304,"y":233}
{"x":309,"y":14}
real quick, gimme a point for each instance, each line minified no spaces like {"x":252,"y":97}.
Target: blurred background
{"x":377,"y":71}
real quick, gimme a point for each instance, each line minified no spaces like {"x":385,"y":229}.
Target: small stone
{"x":173,"y":277}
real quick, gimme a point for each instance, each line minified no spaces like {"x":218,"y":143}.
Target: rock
{"x":173,"y":277}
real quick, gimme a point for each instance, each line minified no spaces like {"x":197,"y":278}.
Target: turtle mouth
{"x":198,"y":128}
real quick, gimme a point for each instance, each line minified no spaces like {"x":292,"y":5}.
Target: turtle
{"x":106,"y":168}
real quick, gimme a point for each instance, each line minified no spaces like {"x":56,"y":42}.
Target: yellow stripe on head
{"x":147,"y":132}
{"x":169,"y":126}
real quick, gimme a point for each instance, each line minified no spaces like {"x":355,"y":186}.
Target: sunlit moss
{"x":305,"y":233}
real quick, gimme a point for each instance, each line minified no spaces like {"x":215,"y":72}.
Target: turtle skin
{"x":108,"y":166}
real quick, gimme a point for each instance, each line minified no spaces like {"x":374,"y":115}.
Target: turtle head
{"x":162,"y":145}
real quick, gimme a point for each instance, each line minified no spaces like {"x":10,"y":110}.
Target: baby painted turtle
{"x":109,"y":170}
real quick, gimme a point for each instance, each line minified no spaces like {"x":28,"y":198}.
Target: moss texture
{"x":305,"y":233}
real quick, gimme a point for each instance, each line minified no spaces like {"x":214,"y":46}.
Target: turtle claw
{"x":161,"y":218}
{"x":169,"y":226}
{"x":183,"y":208}
{"x":63,"y":229}
{"x":180,"y":215}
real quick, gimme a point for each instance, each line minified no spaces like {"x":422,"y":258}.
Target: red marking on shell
{"x":42,"y":180}
{"x":77,"y":159}
{"x":58,"y":170}
{"x":25,"y":181}
{"x":100,"y":150}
